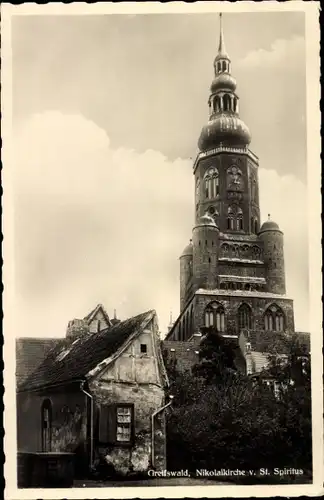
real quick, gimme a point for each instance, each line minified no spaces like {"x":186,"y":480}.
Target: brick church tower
{"x":232,"y":272}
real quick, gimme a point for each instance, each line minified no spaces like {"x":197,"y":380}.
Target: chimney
{"x":115,"y":320}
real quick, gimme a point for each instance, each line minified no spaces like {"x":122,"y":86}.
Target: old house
{"x":99,"y":393}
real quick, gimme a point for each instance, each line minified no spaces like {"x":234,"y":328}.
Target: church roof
{"x":72,"y":359}
{"x":269,"y":225}
{"x":188,"y":251}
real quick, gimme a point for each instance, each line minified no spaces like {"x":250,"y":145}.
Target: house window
{"x":274,"y":319}
{"x":46,"y":425}
{"x":116,"y":424}
{"x":143,"y":348}
{"x":124,"y":424}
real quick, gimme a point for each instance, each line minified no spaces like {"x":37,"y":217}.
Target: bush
{"x":222,"y":419}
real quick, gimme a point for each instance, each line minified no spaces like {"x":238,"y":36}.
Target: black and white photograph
{"x":162,"y":266}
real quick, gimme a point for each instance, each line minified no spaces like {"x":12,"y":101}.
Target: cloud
{"x":94,"y":224}
{"x":282,"y":51}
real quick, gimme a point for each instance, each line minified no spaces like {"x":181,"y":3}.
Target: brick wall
{"x":222,"y":161}
{"x":231,"y":304}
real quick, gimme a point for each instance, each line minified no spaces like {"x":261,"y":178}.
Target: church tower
{"x":232,"y":273}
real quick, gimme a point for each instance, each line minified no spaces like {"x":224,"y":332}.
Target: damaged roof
{"x":30,"y":353}
{"x":72,"y":359}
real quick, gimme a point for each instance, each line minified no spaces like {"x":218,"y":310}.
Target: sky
{"x":107,"y":111}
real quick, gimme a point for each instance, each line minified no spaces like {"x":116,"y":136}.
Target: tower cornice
{"x":225,"y":149}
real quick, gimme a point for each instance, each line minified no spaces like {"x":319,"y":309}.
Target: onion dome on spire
{"x":224,"y":126}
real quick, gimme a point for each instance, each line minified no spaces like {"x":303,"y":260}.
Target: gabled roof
{"x":30,"y":353}
{"x":72,"y":359}
{"x":93,"y":313}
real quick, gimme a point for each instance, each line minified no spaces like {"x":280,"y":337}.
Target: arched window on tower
{"x":216,"y":104}
{"x":209,"y":316}
{"x":239,"y":219}
{"x":197,"y":189}
{"x":219,"y":66}
{"x":274,"y":319}
{"x":244,"y":317}
{"x":253,"y":190}
{"x":234,"y":218}
{"x":211,"y":182}
{"x":224,"y":66}
{"x":227,"y":102}
{"x":188,"y":333}
{"x":220,"y":319}
{"x":235,"y":104}
{"x":230,"y":218}
{"x":46,"y":415}
{"x":215,"y":316}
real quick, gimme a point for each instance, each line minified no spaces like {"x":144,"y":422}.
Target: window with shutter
{"x":116,"y":423}
{"x":124,"y":424}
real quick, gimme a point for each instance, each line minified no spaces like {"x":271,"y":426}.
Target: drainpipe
{"x":91,"y":421}
{"x":159,"y":410}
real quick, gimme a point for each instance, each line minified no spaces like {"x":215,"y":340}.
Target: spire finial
{"x":115,"y":314}
{"x":221,"y":47}
{"x":268,"y":216}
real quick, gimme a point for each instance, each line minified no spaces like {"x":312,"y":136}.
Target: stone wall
{"x":69,"y":421}
{"x":147,"y":398}
{"x":133,"y":378}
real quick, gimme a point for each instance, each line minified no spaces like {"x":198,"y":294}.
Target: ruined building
{"x":232,"y":272}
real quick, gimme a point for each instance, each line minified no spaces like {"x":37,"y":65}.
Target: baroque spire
{"x":224,"y":127}
{"x":222,"y":54}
